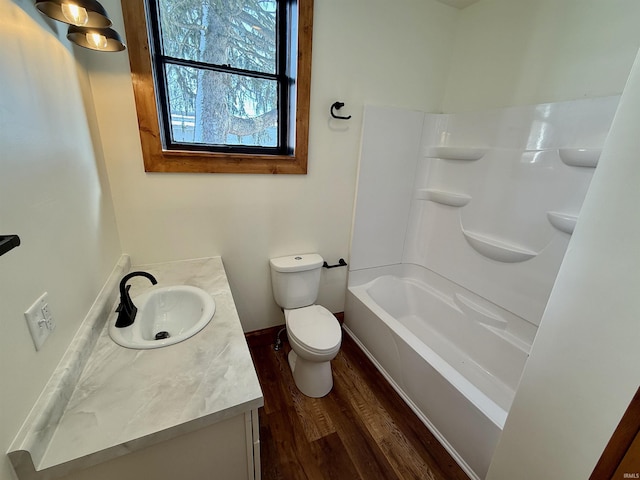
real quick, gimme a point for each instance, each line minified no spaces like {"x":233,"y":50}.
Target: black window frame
{"x":282,"y":76}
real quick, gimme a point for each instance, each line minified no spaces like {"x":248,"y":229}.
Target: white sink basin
{"x":166,"y":315}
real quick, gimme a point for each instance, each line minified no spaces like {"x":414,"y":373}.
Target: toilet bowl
{"x":314,"y":332}
{"x":315,"y":337}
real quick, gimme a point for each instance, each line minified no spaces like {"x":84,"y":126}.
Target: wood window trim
{"x":156,"y":159}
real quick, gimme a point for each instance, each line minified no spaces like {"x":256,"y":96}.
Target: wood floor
{"x":361,"y":430}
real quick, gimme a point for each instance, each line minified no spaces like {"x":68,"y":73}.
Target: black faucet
{"x":127,"y":310}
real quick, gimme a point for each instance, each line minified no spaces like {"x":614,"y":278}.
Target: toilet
{"x":314,"y":332}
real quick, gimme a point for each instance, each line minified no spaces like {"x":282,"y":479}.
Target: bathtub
{"x":454,"y":357}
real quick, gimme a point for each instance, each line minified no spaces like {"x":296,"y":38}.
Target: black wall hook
{"x":8,"y":242}
{"x":338,"y":106}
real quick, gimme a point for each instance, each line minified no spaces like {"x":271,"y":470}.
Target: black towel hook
{"x":8,"y":242}
{"x":338,"y":106}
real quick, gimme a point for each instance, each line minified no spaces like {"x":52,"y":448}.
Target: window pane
{"x":239,"y":33}
{"x":214,"y":108}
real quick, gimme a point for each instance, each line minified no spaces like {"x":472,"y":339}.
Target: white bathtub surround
{"x":449,"y":277}
{"x":503,"y":182}
{"x":385,"y":184}
{"x":126,"y":400}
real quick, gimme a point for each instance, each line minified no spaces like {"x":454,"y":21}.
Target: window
{"x":221,"y":86}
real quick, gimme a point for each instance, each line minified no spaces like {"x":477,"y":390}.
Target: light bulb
{"x":75,"y":14}
{"x":96,"y":40}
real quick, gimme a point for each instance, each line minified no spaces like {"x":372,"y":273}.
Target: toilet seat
{"x":315,"y":328}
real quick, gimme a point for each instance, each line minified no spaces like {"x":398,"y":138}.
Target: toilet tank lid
{"x":296,"y":263}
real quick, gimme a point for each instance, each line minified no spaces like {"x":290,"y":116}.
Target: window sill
{"x":198,"y":162}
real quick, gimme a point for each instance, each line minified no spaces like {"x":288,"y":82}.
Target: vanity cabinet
{"x":228,"y":450}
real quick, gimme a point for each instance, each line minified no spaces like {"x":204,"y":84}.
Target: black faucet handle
{"x":126,"y":289}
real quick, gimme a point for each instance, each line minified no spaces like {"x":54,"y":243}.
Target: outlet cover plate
{"x":40,"y":320}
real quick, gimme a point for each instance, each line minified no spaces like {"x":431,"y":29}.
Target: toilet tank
{"x":295,"y":279}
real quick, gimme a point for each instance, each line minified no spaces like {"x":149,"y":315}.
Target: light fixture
{"x":82,"y":13}
{"x":101,"y":39}
{"x":96,"y":40}
{"x":74,"y":14}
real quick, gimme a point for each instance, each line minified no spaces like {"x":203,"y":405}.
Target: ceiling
{"x":458,"y":3}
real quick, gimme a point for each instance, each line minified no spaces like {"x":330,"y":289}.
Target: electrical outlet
{"x":40,"y":320}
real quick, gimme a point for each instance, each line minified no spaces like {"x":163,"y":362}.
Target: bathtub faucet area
{"x":127,"y":310}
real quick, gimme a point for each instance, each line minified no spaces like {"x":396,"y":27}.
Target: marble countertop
{"x":128,"y":399}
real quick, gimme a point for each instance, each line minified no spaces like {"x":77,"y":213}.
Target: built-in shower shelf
{"x":562,"y":221}
{"x":497,"y":249}
{"x":580,"y":157}
{"x":445,"y":198}
{"x":455,"y":153}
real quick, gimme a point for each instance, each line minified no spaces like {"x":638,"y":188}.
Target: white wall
{"x":519,"y":52}
{"x":583,"y":369}
{"x":53,"y":195}
{"x":363,"y":52}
